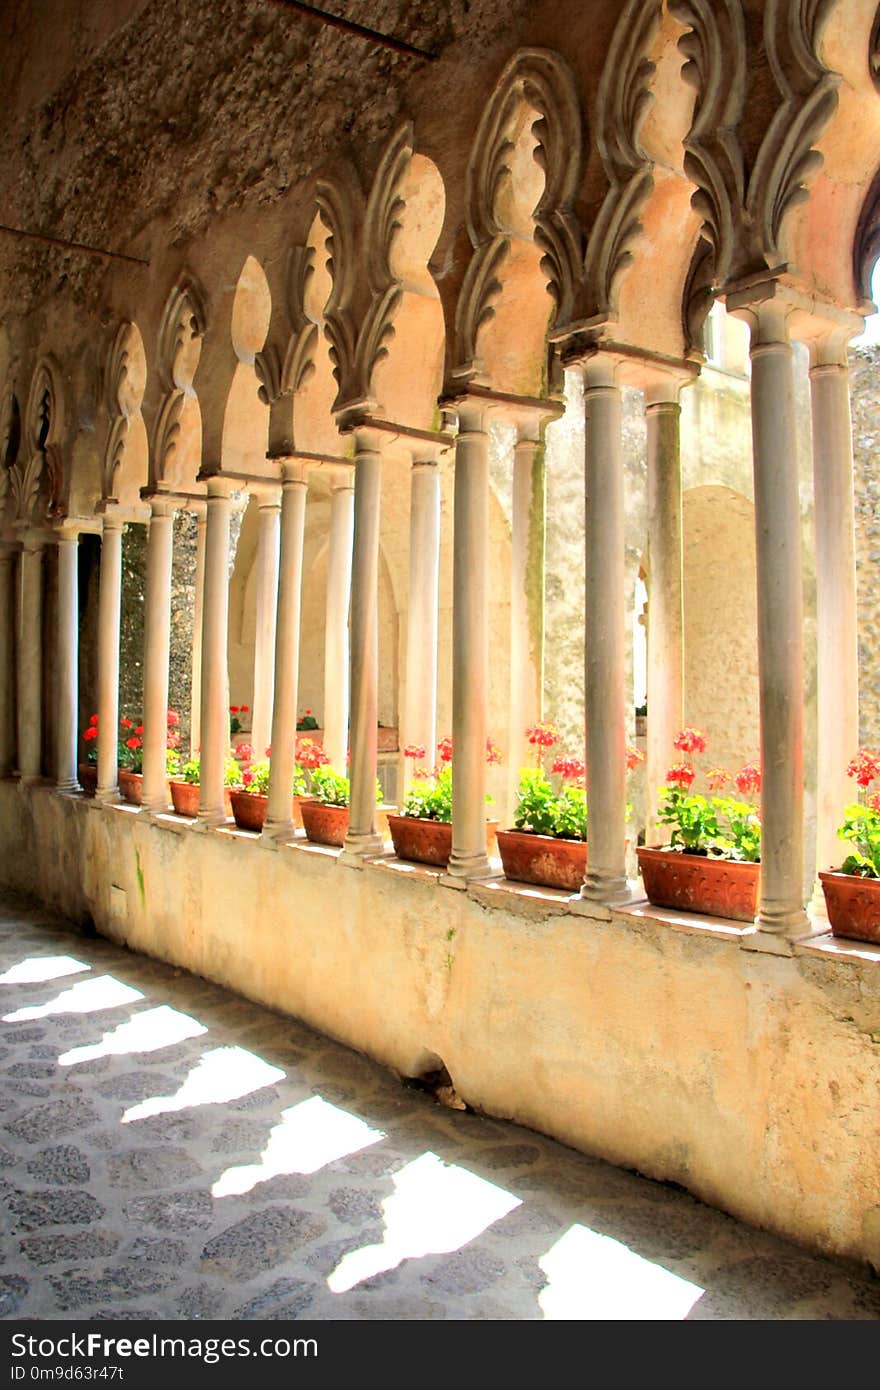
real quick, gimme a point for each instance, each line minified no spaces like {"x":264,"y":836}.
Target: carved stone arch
{"x":123,"y":397}
{"x":10,"y":439}
{"x":866,"y":248}
{"x":299,"y":357}
{"x":715,"y":51}
{"x":623,"y":99}
{"x":43,"y":433}
{"x":340,"y":215}
{"x":542,"y":80}
{"x":381,"y":225}
{"x":183,"y":320}
{"x":788,"y":159}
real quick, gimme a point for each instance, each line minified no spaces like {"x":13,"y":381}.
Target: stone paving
{"x":170,"y":1151}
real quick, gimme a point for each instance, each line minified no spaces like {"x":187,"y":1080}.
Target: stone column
{"x":836,"y":599}
{"x":604,"y":690}
{"x":336,"y":645}
{"x":420,"y":707}
{"x":157,"y":648}
{"x":7,"y":659}
{"x":781,"y":914}
{"x":268,"y":542}
{"x":362,"y":838}
{"x":67,"y":654}
{"x":279,"y":810}
{"x":109,"y":612}
{"x":665,"y":685}
{"x":470,"y":647}
{"x":195,"y":719}
{"x":526,"y":601}
{"x":30,"y":657}
{"x":215,"y":639}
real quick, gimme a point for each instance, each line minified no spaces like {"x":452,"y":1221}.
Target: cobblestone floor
{"x":170,"y":1151}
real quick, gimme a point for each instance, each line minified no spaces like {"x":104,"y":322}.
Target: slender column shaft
{"x":605,"y":881}
{"x":526,"y":605}
{"x":157,"y":648}
{"x":215,"y":638}
{"x":30,"y":659}
{"x":780,"y":624}
{"x":67,"y":655}
{"x":268,"y":543}
{"x":470,"y":647}
{"x":420,"y":709}
{"x":195,"y":724}
{"x":362,"y":838}
{"x":109,"y":611}
{"x":7,"y":660}
{"x":279,"y":811}
{"x":336,"y":644}
{"x":665,"y":602}
{"x":836,"y":601}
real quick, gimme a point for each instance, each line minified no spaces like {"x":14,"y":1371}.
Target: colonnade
{"x":352,"y":704}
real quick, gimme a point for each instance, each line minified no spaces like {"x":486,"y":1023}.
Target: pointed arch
{"x":126,"y":379}
{"x":177,"y":432}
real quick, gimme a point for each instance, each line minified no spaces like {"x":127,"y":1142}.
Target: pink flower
{"x":444,"y":748}
{"x":748,"y":780}
{"x":681,"y":776}
{"x":493,"y":754}
{"x":412,"y":750}
{"x":690,"y":741}
{"x":173,"y":718}
{"x":245,"y":752}
{"x":718,"y":779}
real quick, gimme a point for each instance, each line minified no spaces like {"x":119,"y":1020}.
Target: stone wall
{"x":865,"y":387}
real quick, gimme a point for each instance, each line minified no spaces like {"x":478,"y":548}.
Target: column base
{"x":152,"y":809}
{"x":359,"y":847}
{"x":770,"y":943}
{"x":464,"y":868}
{"x":789,"y":923}
{"x":600,"y":894}
{"x":211,"y":820}
{"x":276,"y":833}
{"x":107,"y":796}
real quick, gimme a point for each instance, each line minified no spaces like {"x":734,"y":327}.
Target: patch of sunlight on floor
{"x":309,"y":1136}
{"x":596,"y":1278}
{"x":223,"y":1074}
{"x":435,"y":1209}
{"x":87,"y":997}
{"x":145,"y":1032}
{"x":36,"y":969}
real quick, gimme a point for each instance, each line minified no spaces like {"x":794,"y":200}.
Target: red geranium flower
{"x":133,"y":742}
{"x":444,"y":748}
{"x":570,"y":769}
{"x":93,"y":719}
{"x":412,"y":750}
{"x":634,"y":756}
{"x":139,"y":729}
{"x":90,"y":733}
{"x":234,"y":709}
{"x":748,"y":780}
{"x":718,"y":779}
{"x":245,"y":709}
{"x":543,"y":735}
{"x":126,"y":723}
{"x":865,"y":767}
{"x":690,"y":741}
{"x":493,"y":754}
{"x":173,"y":717}
{"x":245,"y":752}
{"x":681,"y":776}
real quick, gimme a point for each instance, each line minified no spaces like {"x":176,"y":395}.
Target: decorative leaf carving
{"x":120,"y":406}
{"x":167,"y":433}
{"x":381,"y":225}
{"x":623,"y":100}
{"x":24,"y":484}
{"x":184,"y":319}
{"x":541,"y":80}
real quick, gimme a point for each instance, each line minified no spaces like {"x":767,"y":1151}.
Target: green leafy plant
{"x":430,"y":795}
{"x":720,"y":827}
{"x":554,"y":802}
{"x":191,"y":771}
{"x":330,"y":787}
{"x":306,"y":721}
{"x":861,"y":819}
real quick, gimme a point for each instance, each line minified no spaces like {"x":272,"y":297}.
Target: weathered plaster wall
{"x":739,"y":1075}
{"x":865,"y":387}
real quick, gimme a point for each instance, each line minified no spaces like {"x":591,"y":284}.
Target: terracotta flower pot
{"x":131,"y":785}
{"x":428,"y":841}
{"x":88,"y":777}
{"x":715,"y":887}
{"x":249,"y":809}
{"x":185,"y":797}
{"x":325,"y":824}
{"x":853,"y":905}
{"x":543,"y":859}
